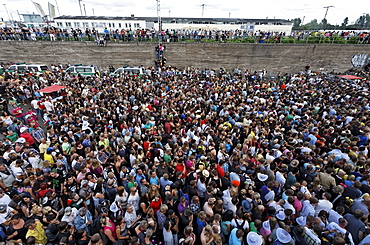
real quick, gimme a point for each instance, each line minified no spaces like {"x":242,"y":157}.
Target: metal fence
{"x":188,"y":38}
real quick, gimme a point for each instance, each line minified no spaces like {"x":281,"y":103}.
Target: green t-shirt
{"x":12,"y":137}
{"x":66,"y":147}
{"x":166,"y":158}
{"x":252,"y":227}
{"x":131,"y":184}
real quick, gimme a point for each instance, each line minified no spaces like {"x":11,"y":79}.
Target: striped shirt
{"x":38,"y":134}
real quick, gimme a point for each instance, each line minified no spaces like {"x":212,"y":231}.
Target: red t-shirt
{"x":146,"y":145}
{"x":155,"y":205}
{"x":180,"y":168}
{"x":28,"y":138}
{"x":220,"y":171}
{"x":41,"y":105}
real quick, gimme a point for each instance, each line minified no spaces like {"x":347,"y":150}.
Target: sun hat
{"x":266,"y":225}
{"x":246,"y":205}
{"x":301,"y":220}
{"x":254,"y":239}
{"x":21,"y":140}
{"x":294,"y":163}
{"x":283,"y":236}
{"x":280,"y":215}
{"x":68,"y":211}
{"x":262,"y":177}
{"x":23,"y":129}
{"x":205,"y":173}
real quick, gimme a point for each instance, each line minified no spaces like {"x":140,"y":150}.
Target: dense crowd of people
{"x":185,"y":156}
{"x":171,"y":35}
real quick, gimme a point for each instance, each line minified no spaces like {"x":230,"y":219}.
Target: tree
{"x":360,"y":22}
{"x":345,"y":22}
{"x":297,"y":22}
{"x":313,"y":25}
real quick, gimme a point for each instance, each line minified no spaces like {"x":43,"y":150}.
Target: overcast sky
{"x":279,"y":9}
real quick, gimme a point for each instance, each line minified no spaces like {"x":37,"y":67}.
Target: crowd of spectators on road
{"x":185,"y":156}
{"x":145,"y":35}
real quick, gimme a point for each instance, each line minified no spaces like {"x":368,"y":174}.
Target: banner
{"x":51,"y":10}
{"x":39,"y":9}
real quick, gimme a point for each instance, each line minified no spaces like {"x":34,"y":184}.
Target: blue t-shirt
{"x":200,"y":225}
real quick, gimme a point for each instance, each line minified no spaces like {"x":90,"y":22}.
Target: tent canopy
{"x":51,"y":89}
{"x":350,"y":77}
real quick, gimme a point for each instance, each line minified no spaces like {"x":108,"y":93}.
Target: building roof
{"x":166,"y":19}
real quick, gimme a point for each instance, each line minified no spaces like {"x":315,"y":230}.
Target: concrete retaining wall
{"x":273,"y":57}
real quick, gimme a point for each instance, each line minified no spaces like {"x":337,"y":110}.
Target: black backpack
{"x":239,"y":226}
{"x":95,"y":225}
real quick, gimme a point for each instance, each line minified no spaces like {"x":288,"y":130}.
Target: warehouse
{"x":171,"y":23}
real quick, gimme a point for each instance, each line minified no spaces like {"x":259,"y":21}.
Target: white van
{"x":85,"y":71}
{"x":22,"y":67}
{"x":127,"y":70}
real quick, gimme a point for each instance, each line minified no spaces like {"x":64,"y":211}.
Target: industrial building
{"x":172,"y":23}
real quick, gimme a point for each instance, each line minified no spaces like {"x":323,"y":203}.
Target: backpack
{"x":95,"y":225}
{"x":240,"y":226}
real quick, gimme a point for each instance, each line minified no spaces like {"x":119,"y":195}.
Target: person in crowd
{"x":187,"y":156}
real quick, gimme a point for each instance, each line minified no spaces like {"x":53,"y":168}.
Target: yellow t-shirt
{"x":38,"y":233}
{"x":49,"y":157}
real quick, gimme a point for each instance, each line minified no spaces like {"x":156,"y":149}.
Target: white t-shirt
{"x":48,"y":105}
{"x":6,"y":215}
{"x":280,"y":178}
{"x":323,"y":205}
{"x":5,"y":199}
{"x":235,"y":221}
{"x":34,"y":104}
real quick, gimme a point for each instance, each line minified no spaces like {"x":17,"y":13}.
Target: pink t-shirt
{"x":112,"y":229}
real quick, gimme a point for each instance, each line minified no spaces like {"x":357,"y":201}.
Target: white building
{"x":170,"y":23}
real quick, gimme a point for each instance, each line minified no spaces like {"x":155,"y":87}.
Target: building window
{"x":85,"y":24}
{"x":60,"y":24}
{"x":76,"y":24}
{"x":136,"y":25}
{"x":113,"y":25}
{"x":68,"y":24}
{"x":119,"y":25}
{"x":109,"y":25}
{"x":126,"y":25}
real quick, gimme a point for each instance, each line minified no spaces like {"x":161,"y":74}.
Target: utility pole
{"x":19,"y":16}
{"x":7,"y":13}
{"x":79,"y":2}
{"x":303,"y":20}
{"x":326,"y":12}
{"x":93,"y":12}
{"x":159,"y":22}
{"x":203,"y":9}
{"x":84,"y":9}
{"x":56,"y":3}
